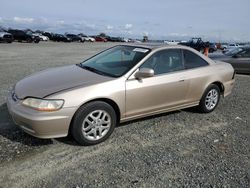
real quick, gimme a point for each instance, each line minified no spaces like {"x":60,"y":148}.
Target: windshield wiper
{"x":94,"y":70}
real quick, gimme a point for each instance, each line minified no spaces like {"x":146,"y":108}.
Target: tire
{"x":210,"y":99}
{"x":29,"y":40}
{"x":87,"y":128}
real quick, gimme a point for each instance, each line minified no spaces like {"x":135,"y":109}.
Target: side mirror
{"x":144,"y":73}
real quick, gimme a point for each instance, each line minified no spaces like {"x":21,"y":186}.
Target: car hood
{"x":54,"y":80}
{"x":4,"y":33}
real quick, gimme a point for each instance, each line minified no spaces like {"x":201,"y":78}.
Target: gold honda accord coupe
{"x":122,"y":83}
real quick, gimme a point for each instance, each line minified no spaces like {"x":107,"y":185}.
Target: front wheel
{"x":93,"y":123}
{"x":29,"y":40}
{"x":210,"y":99}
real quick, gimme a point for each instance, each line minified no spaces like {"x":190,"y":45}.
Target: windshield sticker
{"x":143,"y":50}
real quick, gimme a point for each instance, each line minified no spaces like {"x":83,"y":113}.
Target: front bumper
{"x":40,"y":124}
{"x":228,"y":87}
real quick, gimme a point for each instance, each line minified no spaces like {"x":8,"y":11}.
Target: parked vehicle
{"x":95,"y":95}
{"x":230,"y":47}
{"x":6,"y":37}
{"x":239,"y":58}
{"x":86,"y":38}
{"x":21,"y":36}
{"x":42,"y":37}
{"x":212,"y":47}
{"x":100,"y":39}
{"x":60,"y":38}
{"x":114,"y":39}
{"x":171,"y":42}
{"x":74,"y":38}
{"x":195,"y":43}
{"x":48,"y":34}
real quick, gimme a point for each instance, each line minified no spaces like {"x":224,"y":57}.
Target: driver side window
{"x":165,"y":61}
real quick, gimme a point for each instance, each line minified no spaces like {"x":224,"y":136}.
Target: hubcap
{"x":211,"y":99}
{"x":96,"y":125}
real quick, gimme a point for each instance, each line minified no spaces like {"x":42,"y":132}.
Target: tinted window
{"x":192,"y":60}
{"x":165,"y":61}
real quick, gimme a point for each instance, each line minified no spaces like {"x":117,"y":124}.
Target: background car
{"x":47,"y":34}
{"x":86,"y":38}
{"x":21,"y":36}
{"x":74,"y":38}
{"x":171,"y":42}
{"x":6,"y":37}
{"x":114,"y":39}
{"x":195,"y":43}
{"x":212,"y":47}
{"x":60,"y":38}
{"x":100,"y":39}
{"x":239,"y":58}
{"x":42,"y":37}
{"x":230,"y":46}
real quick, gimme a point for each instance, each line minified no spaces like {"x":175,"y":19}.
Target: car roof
{"x":245,"y":47}
{"x":147,"y":45}
{"x":155,"y":46}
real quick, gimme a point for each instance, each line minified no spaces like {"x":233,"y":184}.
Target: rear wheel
{"x":93,"y":123}
{"x":29,"y":40}
{"x":210,"y":99}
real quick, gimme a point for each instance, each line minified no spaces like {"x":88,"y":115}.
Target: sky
{"x":220,"y":20}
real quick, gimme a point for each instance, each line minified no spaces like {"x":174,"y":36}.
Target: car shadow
{"x":69,"y":140}
{"x":193,"y":110}
{"x":12,"y":132}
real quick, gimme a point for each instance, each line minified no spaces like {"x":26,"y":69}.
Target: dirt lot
{"x":178,"y":149}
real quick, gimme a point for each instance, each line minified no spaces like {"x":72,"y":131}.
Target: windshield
{"x":115,"y":61}
{"x":233,"y":51}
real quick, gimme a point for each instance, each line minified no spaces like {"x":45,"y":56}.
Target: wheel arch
{"x":217,"y":83}
{"x":220,"y":85}
{"x":112,"y":103}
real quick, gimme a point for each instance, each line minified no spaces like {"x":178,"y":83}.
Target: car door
{"x":241,"y":61}
{"x":197,"y":74}
{"x":166,"y":89}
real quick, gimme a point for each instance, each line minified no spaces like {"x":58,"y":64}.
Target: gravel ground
{"x":179,"y":149}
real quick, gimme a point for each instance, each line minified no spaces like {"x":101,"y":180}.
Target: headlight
{"x":43,"y":104}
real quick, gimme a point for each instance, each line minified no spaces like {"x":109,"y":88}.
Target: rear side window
{"x":192,"y":60}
